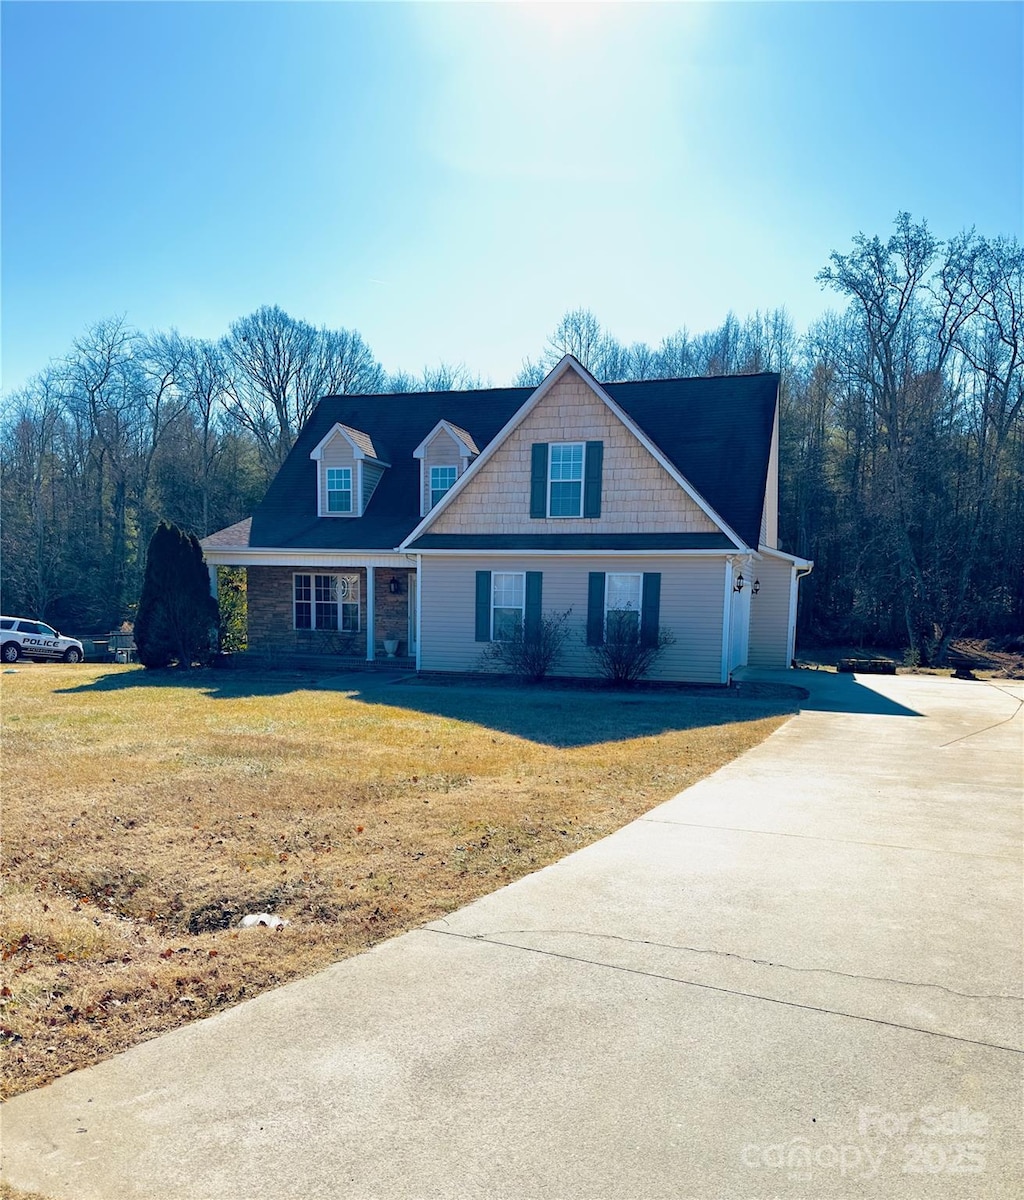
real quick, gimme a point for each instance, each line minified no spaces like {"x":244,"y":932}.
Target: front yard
{"x":146,"y":813}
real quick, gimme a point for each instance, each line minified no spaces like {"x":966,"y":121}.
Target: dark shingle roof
{"x":231,"y":538}
{"x":716,"y":431}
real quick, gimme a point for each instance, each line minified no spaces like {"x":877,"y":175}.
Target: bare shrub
{"x":625,"y":656}
{"x":532,"y":654}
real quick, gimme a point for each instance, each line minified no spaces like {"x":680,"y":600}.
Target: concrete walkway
{"x":799,"y":978}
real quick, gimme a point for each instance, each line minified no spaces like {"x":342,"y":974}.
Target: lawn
{"x":145,"y":813}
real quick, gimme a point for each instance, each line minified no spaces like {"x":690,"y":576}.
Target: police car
{"x":21,"y":638}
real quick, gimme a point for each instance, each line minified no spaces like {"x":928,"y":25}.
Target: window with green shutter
{"x":565,"y":479}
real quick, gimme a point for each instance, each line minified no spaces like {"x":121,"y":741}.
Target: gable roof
{"x":465,"y":439}
{"x":361,"y":443}
{"x":715,"y":431}
{"x":421,"y":538}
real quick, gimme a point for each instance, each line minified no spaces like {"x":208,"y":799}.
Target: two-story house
{"x":443,"y":520}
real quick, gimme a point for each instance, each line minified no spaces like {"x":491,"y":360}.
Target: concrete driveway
{"x":799,"y":978}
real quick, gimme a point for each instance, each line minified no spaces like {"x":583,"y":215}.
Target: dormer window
{"x":441,"y":479}
{"x":348,"y":468}
{"x":339,"y":489}
{"x":445,"y":455}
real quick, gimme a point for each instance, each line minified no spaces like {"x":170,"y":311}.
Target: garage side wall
{"x":691,"y":608}
{"x":769,"y":615}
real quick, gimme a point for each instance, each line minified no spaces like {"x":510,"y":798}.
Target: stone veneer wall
{"x":392,"y":612}
{"x":271,"y":621}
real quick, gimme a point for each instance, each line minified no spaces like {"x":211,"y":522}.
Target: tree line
{"x":902,"y":438}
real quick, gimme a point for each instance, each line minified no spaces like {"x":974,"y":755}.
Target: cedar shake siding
{"x":637,"y":494}
{"x":690,"y":606}
{"x":769,"y":614}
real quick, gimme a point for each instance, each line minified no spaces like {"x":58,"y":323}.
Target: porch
{"x":342,"y":616}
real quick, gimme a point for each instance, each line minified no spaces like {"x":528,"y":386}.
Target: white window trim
{"x":442,"y":467}
{"x":638,"y":575}
{"x":522,"y":607}
{"x":312,"y":626}
{"x":582,"y":481}
{"x":353,"y":504}
{"x":357,"y":489}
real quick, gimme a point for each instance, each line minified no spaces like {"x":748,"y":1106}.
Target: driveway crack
{"x":494,"y":935}
{"x":709,"y":987}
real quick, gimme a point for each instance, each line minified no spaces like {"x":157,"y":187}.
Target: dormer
{"x":444,"y":454}
{"x":348,"y":469}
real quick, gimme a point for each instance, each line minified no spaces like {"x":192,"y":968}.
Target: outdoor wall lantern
{"x":740,"y":584}
{"x":395,"y":586}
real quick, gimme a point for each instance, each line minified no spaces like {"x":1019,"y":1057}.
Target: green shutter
{"x":533,"y":587}
{"x":592,"y":479}
{"x":539,"y":480}
{"x":483,"y":606}
{"x":595,"y":609}
{"x":649,"y":609}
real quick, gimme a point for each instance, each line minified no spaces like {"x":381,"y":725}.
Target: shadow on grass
{"x":548,"y":714}
{"x":566,"y":717}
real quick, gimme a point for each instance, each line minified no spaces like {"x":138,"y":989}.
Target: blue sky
{"x":450,"y":178}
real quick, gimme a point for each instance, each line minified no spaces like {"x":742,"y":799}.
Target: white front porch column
{"x":370,"y":635}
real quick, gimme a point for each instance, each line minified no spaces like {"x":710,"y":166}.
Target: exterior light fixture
{"x":395,"y":587}
{"x":741,"y":583}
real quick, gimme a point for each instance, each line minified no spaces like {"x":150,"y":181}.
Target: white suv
{"x":21,"y":638}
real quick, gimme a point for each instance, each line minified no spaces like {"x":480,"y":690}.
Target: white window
{"x":327,"y":602}
{"x":441,"y":479}
{"x":508,"y":603}
{"x":622,"y":603}
{"x":339,"y":489}
{"x":565,"y":479}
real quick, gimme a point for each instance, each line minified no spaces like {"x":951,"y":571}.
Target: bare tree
{"x":281,"y":367}
{"x":448,"y":377}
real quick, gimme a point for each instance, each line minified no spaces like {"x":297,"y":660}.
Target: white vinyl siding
{"x":369,"y":477}
{"x":691,"y":607}
{"x":769,"y":615}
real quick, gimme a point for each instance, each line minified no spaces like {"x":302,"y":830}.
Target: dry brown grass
{"x":7,"y":1192}
{"x":145,"y":813}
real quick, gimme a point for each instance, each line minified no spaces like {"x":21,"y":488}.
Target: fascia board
{"x":281,"y":556}
{"x":795,"y":559}
{"x":607,"y":553}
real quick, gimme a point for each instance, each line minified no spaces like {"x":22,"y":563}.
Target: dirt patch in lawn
{"x":146,"y":813}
